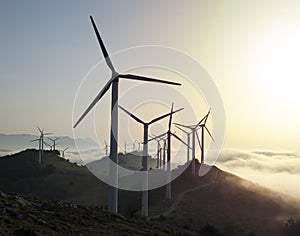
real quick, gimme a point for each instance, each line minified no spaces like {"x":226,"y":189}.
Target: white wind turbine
{"x":41,"y":143}
{"x":159,"y":148}
{"x":188,"y":134}
{"x":169,"y":135}
{"x":114,"y":82}
{"x":194,"y":129}
{"x":63,"y":151}
{"x":54,"y":142}
{"x":106,"y":148}
{"x":145,"y":152}
{"x":203,"y":128}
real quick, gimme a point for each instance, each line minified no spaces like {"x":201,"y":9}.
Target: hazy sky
{"x":250,"y":49}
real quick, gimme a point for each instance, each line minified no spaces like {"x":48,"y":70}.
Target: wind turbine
{"x":106,"y":148}
{"x":139,"y":145}
{"x":114,"y":82}
{"x":188,"y":134}
{"x":158,"y":139}
{"x":169,"y":135}
{"x":145,"y":152}
{"x":203,"y":128}
{"x":125,"y":145}
{"x":42,"y":139}
{"x":194,"y":129}
{"x":63,"y":151}
{"x":54,"y":142}
{"x":41,"y":143}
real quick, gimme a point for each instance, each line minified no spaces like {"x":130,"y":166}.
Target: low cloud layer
{"x":277,"y":170}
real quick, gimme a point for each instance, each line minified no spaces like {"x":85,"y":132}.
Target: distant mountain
{"x":219,"y":199}
{"x":10,"y":143}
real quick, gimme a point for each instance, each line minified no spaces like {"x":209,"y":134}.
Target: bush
{"x":291,"y":228}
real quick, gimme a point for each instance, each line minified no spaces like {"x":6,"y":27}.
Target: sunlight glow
{"x":276,"y":64}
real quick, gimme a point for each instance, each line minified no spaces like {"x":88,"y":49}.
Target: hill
{"x":21,"y":216}
{"x":231,"y":204}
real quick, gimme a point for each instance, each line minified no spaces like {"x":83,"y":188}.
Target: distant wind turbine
{"x":194,"y":129}
{"x":114,"y":81}
{"x":159,"y":148}
{"x":54,"y":142}
{"x":188,"y":134}
{"x":169,"y":135}
{"x":106,"y":148}
{"x":145,"y":152}
{"x":63,"y":151}
{"x":203,"y":128}
{"x":41,"y":143}
{"x":125,"y":147}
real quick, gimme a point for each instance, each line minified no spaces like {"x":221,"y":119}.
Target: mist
{"x":279,"y":171}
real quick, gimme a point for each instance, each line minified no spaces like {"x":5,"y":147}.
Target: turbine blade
{"x":170,"y":119}
{"x":57,"y":138}
{"x":35,"y":140}
{"x":185,"y":126}
{"x":39,"y":129}
{"x":158,"y":136}
{"x":50,"y":139}
{"x":102,"y":46}
{"x":179,"y":139}
{"x":133,"y":116}
{"x":66,"y":148}
{"x":163,"y":116}
{"x":209,"y":133}
{"x":98,"y":97}
{"x":47,"y":133}
{"x":47,"y":144}
{"x":178,"y":127}
{"x":201,"y":121}
{"x":147,"y":79}
{"x":198,"y":139}
{"x":207,"y":116}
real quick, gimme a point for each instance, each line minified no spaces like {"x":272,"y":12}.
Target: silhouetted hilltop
{"x":229,"y":203}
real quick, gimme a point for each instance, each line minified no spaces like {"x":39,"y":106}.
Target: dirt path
{"x":180,"y":196}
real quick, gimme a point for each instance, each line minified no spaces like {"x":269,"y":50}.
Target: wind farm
{"x":134,"y":118}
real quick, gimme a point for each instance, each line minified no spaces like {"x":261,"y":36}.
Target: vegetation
{"x":291,"y":228}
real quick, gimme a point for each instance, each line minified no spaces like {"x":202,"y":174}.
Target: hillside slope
{"x":233,"y":205}
{"x":31,"y":216}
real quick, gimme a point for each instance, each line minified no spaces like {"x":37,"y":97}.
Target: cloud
{"x":277,"y":170}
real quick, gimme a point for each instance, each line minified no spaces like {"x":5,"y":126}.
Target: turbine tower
{"x":145,"y":153}
{"x":114,"y":82}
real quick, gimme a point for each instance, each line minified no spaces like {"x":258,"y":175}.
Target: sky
{"x":249,"y":48}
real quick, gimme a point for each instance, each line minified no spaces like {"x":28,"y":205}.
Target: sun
{"x":276,"y":67}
